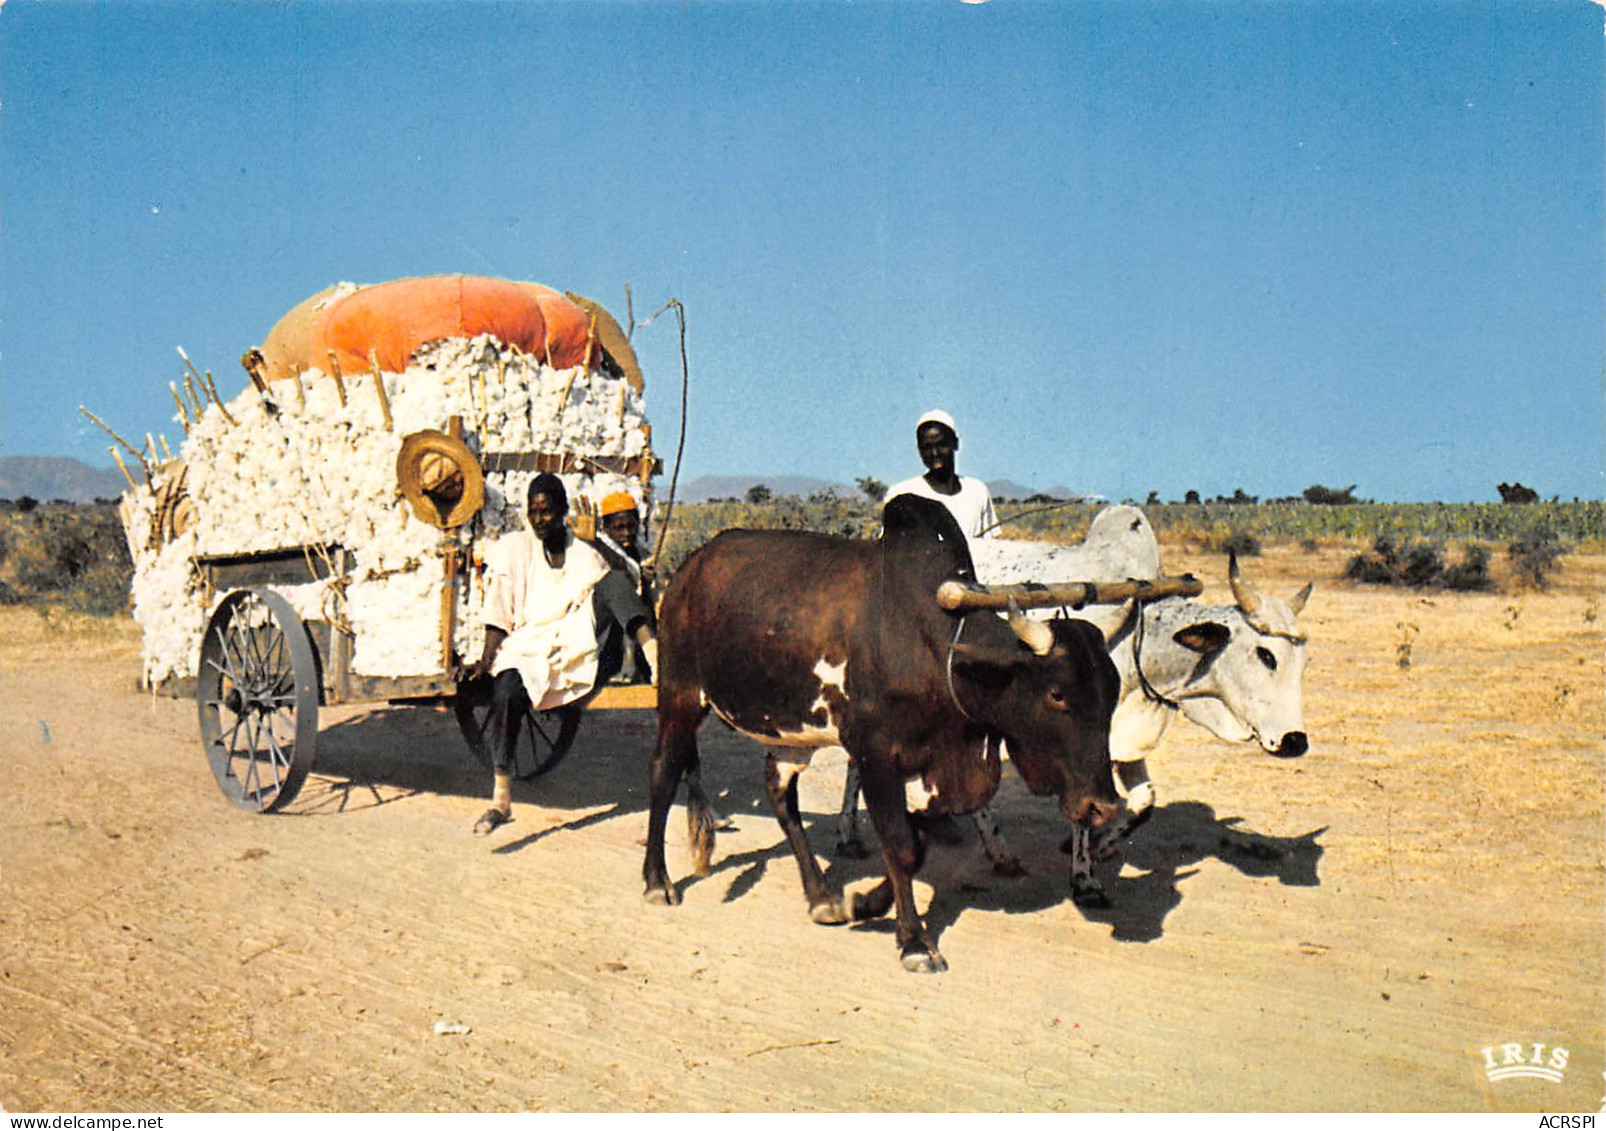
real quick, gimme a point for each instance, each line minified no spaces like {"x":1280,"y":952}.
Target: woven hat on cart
{"x":440,"y":478}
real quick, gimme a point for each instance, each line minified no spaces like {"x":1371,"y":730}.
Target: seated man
{"x":540,"y":629}
{"x":624,"y":599}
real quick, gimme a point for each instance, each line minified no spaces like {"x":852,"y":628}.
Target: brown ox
{"x":802,"y":641}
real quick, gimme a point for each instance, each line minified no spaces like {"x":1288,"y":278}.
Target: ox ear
{"x":1206,"y":638}
{"x":1297,"y":601}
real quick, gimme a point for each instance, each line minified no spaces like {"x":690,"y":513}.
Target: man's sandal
{"x":490,"y":821}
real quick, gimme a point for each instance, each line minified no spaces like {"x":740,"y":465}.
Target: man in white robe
{"x":967,"y":499}
{"x":540,"y":629}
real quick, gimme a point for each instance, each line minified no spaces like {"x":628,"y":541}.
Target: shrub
{"x":74,"y":555}
{"x":1239,"y":542}
{"x":1329,"y":496}
{"x":1534,"y":555}
{"x":1471,"y":574}
{"x":1420,"y":565}
{"x":1423,"y":565}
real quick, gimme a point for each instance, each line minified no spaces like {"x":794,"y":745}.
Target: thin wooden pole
{"x":198,"y":400}
{"x":340,"y":383}
{"x":379,"y":387}
{"x":123,"y":467}
{"x":133,"y":451}
{"x":183,"y":412}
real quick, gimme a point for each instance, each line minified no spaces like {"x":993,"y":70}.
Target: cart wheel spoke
{"x":545,"y":737}
{"x":257,"y":699}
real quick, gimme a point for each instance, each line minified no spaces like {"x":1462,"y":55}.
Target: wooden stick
{"x":123,"y":467}
{"x":165,"y":449}
{"x":340,"y":383}
{"x":251,"y":360}
{"x":198,"y":400}
{"x":563,"y":401}
{"x":301,"y":393}
{"x":150,"y":443}
{"x":211,"y":388}
{"x":107,"y":428}
{"x":183,"y":412}
{"x":206,"y":383}
{"x":953,"y":595}
{"x":379,"y":387}
{"x":485,"y":403}
{"x":190,"y":365}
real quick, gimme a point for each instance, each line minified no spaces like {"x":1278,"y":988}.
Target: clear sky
{"x":1129,"y":246}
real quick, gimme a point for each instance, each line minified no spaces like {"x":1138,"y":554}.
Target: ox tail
{"x":701,"y":822}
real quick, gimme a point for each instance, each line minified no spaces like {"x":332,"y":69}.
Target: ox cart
{"x":264,"y":673}
{"x":318,"y":538}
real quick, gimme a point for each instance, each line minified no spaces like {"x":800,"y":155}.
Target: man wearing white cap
{"x":967,"y":499}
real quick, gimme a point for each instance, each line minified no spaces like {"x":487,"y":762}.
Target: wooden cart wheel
{"x":544,"y":736}
{"x":258,"y":697}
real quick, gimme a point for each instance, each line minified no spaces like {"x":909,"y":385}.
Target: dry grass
{"x":52,"y":634}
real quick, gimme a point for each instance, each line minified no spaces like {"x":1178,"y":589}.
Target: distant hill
{"x":1008,"y":489}
{"x":58,"y":477}
{"x":706,"y":487}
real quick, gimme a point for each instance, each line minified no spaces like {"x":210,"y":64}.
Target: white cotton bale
{"x":312,"y":471}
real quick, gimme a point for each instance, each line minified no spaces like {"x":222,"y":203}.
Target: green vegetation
{"x":74,"y":555}
{"x":1575,"y":525}
{"x":1244,"y":528}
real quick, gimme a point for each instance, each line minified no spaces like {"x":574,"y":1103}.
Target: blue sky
{"x":1129,"y":246}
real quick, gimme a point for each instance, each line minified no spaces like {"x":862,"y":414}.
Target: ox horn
{"x":1242,"y":592}
{"x":1297,"y":601}
{"x":1035,"y":634}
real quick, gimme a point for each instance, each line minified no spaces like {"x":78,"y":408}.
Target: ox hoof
{"x":1089,"y":893}
{"x":665,"y":896}
{"x":853,"y":849}
{"x":923,"y":962}
{"x":829,"y":914}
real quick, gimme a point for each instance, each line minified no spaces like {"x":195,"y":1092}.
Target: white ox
{"x":1237,"y":670}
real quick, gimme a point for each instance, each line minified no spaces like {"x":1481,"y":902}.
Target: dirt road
{"x":1342,"y":932}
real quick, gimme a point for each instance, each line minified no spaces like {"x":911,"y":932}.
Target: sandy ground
{"x":1343,"y":932}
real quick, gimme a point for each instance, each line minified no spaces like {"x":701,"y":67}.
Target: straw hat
{"x":440,"y":478}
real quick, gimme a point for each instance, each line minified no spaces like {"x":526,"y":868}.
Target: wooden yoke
{"x":953,"y":595}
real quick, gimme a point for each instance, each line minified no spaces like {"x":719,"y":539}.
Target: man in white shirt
{"x":967,"y":499}
{"x":540,"y":629}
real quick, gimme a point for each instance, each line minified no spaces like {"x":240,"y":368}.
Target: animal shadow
{"x":1160,"y":855}
{"x":1167,"y":849}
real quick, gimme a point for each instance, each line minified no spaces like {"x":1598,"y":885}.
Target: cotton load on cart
{"x":318,"y":537}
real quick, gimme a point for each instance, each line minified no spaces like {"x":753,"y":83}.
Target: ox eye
{"x":1057,"y":699}
{"x":1264,"y":656}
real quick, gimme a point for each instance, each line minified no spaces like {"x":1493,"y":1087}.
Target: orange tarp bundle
{"x":287,"y":350}
{"x":392,"y":320}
